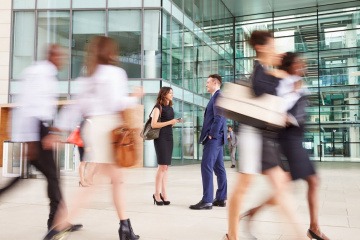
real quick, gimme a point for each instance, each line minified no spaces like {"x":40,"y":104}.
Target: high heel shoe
{"x":158,"y":203}
{"x":165,"y":202}
{"x":313,"y":235}
{"x":126,"y":232}
{"x":83,"y":184}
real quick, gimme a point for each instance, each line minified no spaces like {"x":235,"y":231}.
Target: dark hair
{"x":161,"y":96}
{"x":101,"y":50}
{"x":288,"y":60}
{"x":259,"y":37}
{"x":216,"y":76}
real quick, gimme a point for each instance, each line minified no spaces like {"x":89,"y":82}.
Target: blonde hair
{"x":100,"y":50}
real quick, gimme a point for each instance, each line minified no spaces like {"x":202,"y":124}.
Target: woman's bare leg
{"x":280,"y":182}
{"x":82,"y":173}
{"x":164,"y":182}
{"x":118,"y":190}
{"x":313,"y":201}
{"x":235,"y":203}
{"x":159,"y":181}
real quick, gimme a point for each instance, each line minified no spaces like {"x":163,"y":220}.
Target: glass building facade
{"x":179,"y":43}
{"x":329,"y":38}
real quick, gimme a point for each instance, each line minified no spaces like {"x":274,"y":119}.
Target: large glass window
{"x":23,"y":42}
{"x":176,"y":52}
{"x":53,"y":27}
{"x":152,"y":43}
{"x":166,"y":46}
{"x":125,"y":28}
{"x":86,"y":24}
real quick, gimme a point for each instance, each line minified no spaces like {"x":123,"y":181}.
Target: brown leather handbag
{"x":124,"y":146}
{"x":124,"y":139}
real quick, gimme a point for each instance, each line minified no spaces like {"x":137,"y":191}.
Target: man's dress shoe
{"x":201,"y":206}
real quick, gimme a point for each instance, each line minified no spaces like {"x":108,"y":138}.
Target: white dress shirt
{"x":36,"y":101}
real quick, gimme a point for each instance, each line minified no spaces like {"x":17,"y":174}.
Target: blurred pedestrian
{"x":104,"y":95}
{"x":232,"y":143}
{"x":213,"y":137}
{"x":33,"y":123}
{"x":291,"y":139}
{"x":163,"y":144}
{"x":259,"y":151}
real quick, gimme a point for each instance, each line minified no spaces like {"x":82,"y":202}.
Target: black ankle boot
{"x":126,"y":232}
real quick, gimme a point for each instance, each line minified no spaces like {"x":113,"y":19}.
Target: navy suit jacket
{"x":214,"y":124}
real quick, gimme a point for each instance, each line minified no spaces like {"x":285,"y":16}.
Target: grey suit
{"x":232,"y":146}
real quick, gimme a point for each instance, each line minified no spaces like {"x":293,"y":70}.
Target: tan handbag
{"x":125,"y":146}
{"x":124,"y":140}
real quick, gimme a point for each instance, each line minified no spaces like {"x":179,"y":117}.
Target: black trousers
{"x":45,"y":163}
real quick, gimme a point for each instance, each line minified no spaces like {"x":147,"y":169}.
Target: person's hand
{"x":174,"y":121}
{"x":210,"y":137}
{"x":138,"y":92}
{"x":49,"y":140}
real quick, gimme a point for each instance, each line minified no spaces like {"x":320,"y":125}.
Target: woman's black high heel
{"x":165,"y":202}
{"x":158,"y":203}
{"x":126,"y":232}
{"x":313,"y":235}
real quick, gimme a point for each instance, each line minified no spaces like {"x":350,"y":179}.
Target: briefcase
{"x":238,"y":102}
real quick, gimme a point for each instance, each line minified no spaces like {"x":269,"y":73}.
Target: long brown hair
{"x":101,"y":50}
{"x":161,"y":98}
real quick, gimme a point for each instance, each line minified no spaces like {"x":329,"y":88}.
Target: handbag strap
{"x":153,"y":110}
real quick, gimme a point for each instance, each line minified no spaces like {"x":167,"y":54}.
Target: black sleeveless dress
{"x":164,"y":144}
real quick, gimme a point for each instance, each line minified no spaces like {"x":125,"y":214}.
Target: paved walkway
{"x":23,"y":212}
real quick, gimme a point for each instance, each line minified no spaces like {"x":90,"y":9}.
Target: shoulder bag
{"x":149,"y":133}
{"x":124,"y":140}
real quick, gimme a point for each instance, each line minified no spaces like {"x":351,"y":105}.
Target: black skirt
{"x":299,"y":162}
{"x":270,"y":151}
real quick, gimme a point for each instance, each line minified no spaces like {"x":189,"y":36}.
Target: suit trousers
{"x":232,"y":150}
{"x":212,"y":162}
{"x":45,"y":163}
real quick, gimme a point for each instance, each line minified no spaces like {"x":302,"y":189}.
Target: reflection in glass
{"x":53,"y":27}
{"x":166,"y":46}
{"x":125,"y":28}
{"x":177,"y":133}
{"x":23,"y":45}
{"x":176,"y":52}
{"x":152,"y":40}
{"x":86,"y":24}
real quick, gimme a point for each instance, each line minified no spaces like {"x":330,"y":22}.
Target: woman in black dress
{"x":291,"y":139}
{"x":163,"y":144}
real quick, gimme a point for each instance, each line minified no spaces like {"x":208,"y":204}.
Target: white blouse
{"x":103,"y":93}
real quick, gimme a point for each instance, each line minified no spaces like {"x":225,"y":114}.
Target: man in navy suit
{"x":213,"y":137}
